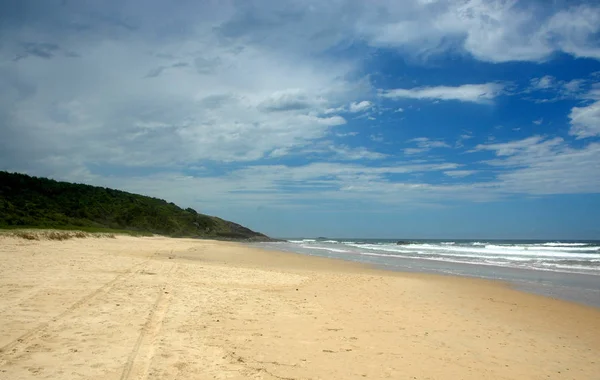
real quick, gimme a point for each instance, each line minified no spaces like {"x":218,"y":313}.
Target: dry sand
{"x":159,"y":308}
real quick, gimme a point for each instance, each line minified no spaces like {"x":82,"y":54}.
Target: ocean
{"x":563,"y":269}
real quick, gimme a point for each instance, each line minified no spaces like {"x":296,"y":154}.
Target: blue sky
{"x":407,"y":119}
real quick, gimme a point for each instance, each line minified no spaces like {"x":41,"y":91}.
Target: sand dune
{"x":159,"y":308}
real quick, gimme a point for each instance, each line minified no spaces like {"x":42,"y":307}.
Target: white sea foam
{"x":559,"y":244}
{"x":555,"y":256}
{"x":554,"y":265}
{"x":302,"y":241}
{"x":543,"y":248}
{"x":549,"y":267}
{"x":326,"y":249}
{"x":516,"y":251}
{"x":485,"y":250}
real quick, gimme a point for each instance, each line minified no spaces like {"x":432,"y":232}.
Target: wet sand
{"x":160,"y":308}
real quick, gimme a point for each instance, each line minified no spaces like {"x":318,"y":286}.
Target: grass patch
{"x":25,"y":235}
{"x":58,"y":235}
{"x":81,"y":229}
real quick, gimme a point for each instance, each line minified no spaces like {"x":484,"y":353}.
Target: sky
{"x":340,"y":118}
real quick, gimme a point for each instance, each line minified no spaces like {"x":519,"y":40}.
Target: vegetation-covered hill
{"x":27,"y":201}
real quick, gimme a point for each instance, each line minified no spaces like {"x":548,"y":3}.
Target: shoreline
{"x":155,"y":307}
{"x":582,"y":288}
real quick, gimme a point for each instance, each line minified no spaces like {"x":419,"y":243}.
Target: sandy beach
{"x":161,"y":308}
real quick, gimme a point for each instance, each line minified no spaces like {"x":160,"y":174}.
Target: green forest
{"x":32,"y":202}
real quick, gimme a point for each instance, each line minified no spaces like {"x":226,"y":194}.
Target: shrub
{"x":26,"y":235}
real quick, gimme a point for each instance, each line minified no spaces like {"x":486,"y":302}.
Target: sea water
{"x":563,"y":269}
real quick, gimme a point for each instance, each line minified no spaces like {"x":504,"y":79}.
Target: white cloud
{"x":537,"y":165}
{"x":330,"y":121}
{"x":573,"y":86}
{"x":218,"y":100}
{"x":495,"y":31}
{"x":424,"y":144}
{"x":92,"y":85}
{"x":279,"y":152}
{"x":290,"y":100}
{"x":475,"y":93}
{"x":462,"y":138}
{"x":550,"y":89}
{"x":534,"y":166}
{"x":544,"y":82}
{"x":377,"y":138}
{"x":574,"y":31}
{"x":360,"y":106}
{"x":585,"y":121}
{"x":459,"y":173}
{"x":272,"y":185}
{"x":538,"y":121}
{"x":233,"y":82}
{"x":594,"y":93}
{"x":514,"y":147}
{"x":411,"y":151}
{"x":353,"y":154}
{"x":329,"y":111}
{"x":353,"y":133}
{"x":489,"y":30}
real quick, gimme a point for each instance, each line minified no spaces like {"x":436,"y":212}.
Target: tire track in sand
{"x":30,"y":293}
{"x":12,"y":347}
{"x":140,"y":359}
